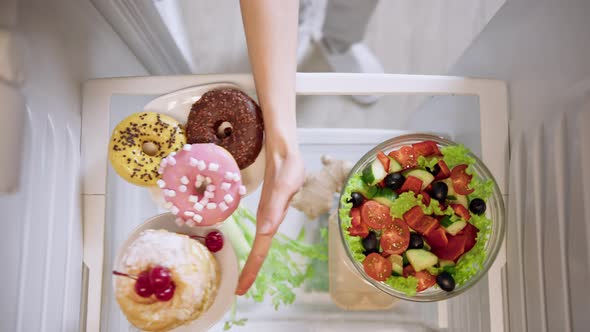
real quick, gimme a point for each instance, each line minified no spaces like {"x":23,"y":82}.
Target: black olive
{"x":416,"y":241}
{"x":434,"y":170}
{"x":368,"y":252}
{"x":394,"y":181}
{"x":356,"y":199}
{"x":445,"y":281}
{"x":477,"y":206}
{"x":440,"y":191}
{"x":370,"y":243}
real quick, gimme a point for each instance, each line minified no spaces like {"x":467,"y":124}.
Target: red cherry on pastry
{"x":167,"y":293}
{"x":214,"y":241}
{"x":160,"y":278}
{"x":143,"y":286}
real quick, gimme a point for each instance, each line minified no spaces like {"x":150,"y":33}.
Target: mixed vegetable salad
{"x":415,"y":218}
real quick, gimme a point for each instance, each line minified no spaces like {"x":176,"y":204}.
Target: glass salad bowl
{"x":470,"y":267}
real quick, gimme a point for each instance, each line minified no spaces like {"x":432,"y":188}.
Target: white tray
{"x":105,"y":225}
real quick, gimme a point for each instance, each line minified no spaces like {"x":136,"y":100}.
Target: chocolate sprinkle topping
{"x":135,"y":134}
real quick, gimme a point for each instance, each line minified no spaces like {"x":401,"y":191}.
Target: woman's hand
{"x":271,"y":33}
{"x":283,"y":177}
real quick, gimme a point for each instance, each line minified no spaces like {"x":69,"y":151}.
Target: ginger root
{"x":317,"y":193}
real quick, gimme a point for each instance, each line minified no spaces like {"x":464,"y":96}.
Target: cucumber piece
{"x":423,"y":175}
{"x":368,"y":191}
{"x":397,"y":264}
{"x":385,"y":196}
{"x":455,"y":227}
{"x":446,"y":221}
{"x":460,"y":199}
{"x":452,"y":195}
{"x":449,"y":183}
{"x":421,"y":259}
{"x":447,"y":266}
{"x":444,"y":262}
{"x":374,"y":173}
{"x":405,"y":259}
{"x":434,"y":270}
{"x":394,"y":166}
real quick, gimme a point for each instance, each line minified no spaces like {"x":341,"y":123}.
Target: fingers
{"x":255,"y":260}
{"x":271,"y":213}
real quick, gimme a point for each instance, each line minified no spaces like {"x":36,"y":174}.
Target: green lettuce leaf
{"x":407,"y":200}
{"x":472,"y":262}
{"x":429,"y":162}
{"x":356,"y":246}
{"x":454,"y":155}
{"x":482,"y":189}
{"x":354,"y":242}
{"x":407,"y":285}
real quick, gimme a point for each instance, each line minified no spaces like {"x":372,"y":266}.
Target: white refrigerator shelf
{"x":111,"y":207}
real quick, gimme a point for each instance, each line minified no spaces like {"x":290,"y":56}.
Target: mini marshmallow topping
{"x":242,"y":190}
{"x":198,"y":206}
{"x":228,"y":198}
{"x":184,"y":180}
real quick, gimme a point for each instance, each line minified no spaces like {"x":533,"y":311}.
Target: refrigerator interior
{"x":120,"y":207}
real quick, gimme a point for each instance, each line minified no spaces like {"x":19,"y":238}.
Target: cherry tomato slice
{"x":461,"y":211}
{"x":461,"y":180}
{"x":405,"y":156}
{"x":375,"y":215}
{"x":425,"y":280}
{"x":358,"y":227}
{"x":444,"y":171}
{"x":408,"y":271}
{"x":384,"y":160}
{"x":377,"y":267}
{"x":395,"y":238}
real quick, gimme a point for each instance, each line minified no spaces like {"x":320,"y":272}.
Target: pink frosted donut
{"x":201,"y":184}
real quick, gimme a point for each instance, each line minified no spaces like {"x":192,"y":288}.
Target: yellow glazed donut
{"x":140,"y":142}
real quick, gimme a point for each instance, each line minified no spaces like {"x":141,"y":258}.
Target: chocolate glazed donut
{"x":229,"y":118}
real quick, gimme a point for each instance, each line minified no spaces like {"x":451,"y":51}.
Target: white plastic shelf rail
{"x":97,"y":96}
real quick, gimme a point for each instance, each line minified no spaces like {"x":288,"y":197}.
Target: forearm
{"x":271,"y":34}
